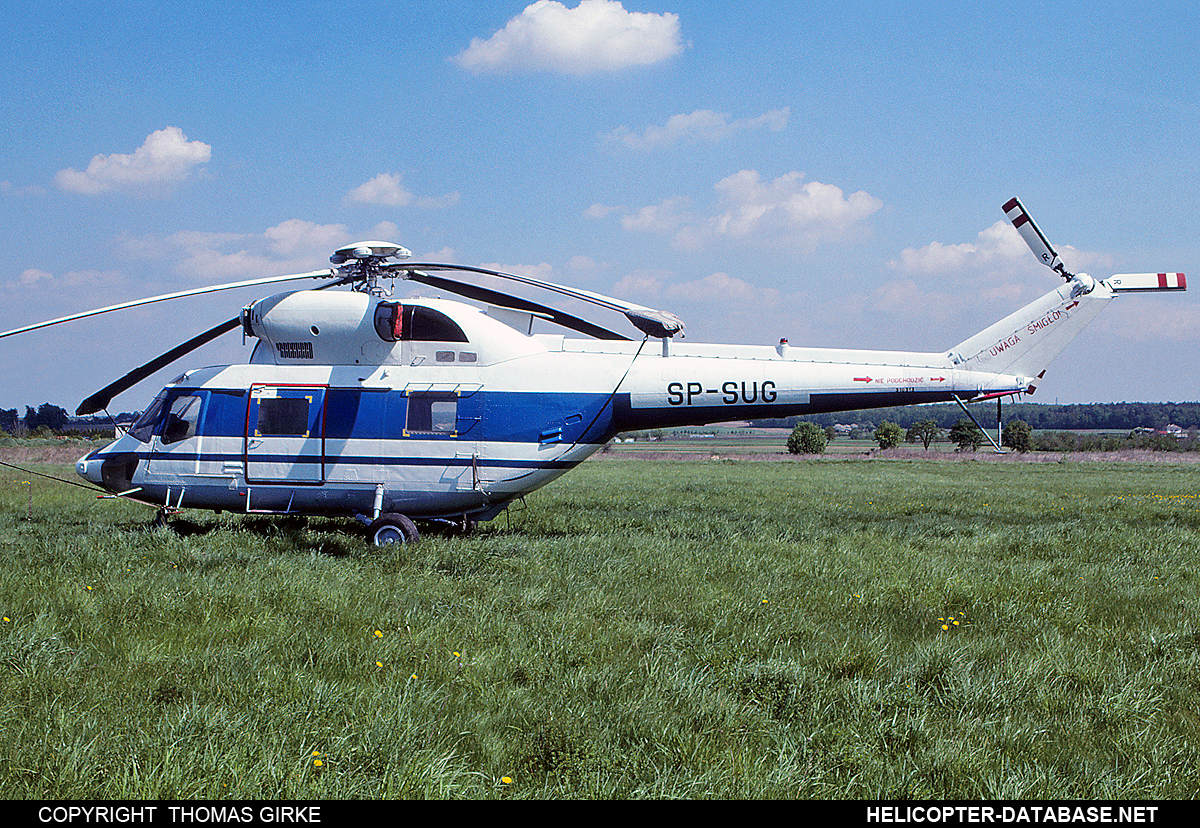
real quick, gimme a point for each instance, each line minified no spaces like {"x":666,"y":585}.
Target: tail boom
{"x":700,"y":390}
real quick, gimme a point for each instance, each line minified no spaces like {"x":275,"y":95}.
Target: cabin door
{"x":285,"y":434}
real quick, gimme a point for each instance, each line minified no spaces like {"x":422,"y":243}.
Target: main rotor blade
{"x":1034,"y":237}
{"x":505,"y":300}
{"x":100,"y":400}
{"x":316,"y":274}
{"x":650,"y":321}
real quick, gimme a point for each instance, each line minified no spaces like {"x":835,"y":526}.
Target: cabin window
{"x":182,"y":419}
{"x":432,"y":413}
{"x":395,"y":322}
{"x":282,"y":417}
{"x":429,"y":325}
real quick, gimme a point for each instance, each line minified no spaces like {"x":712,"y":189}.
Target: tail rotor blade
{"x":1034,"y":237}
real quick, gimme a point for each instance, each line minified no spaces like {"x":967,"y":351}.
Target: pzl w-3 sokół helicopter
{"x":392,"y":412}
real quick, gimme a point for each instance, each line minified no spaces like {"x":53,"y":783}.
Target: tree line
{"x":1121,"y":417}
{"x":49,"y":418}
{"x":808,"y":437}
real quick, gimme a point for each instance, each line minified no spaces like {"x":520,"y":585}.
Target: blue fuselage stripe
{"x":481,"y":417}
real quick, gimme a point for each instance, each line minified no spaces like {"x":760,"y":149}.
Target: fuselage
{"x":352,"y":405}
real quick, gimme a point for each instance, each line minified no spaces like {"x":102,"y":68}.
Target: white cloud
{"x":77,"y":282}
{"x":998,"y":266}
{"x":701,"y":125}
{"x":784,"y":212}
{"x":999,"y":247}
{"x":998,"y":244}
{"x":789,"y":208}
{"x":663,"y":217}
{"x":721,"y":287}
{"x":599,"y":211}
{"x":595,"y":36}
{"x":296,"y":236}
{"x":543,"y":271}
{"x":641,"y":284}
{"x":166,"y":157}
{"x":386,"y":190}
{"x":292,"y":246}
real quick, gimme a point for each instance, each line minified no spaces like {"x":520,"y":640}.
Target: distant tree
{"x":924,"y":430}
{"x":9,"y":420}
{"x":861,"y":430}
{"x":1017,"y":435}
{"x":47,"y":416}
{"x":966,"y":435}
{"x":806,"y":438}
{"x":888,"y":435}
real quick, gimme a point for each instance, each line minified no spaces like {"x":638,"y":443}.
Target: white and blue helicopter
{"x":429,"y":410}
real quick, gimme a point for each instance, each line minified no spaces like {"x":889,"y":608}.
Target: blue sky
{"x":831,"y":173}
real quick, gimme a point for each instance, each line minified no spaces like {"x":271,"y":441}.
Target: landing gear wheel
{"x":391,"y":528}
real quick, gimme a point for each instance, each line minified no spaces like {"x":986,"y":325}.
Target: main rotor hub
{"x":366,"y":262}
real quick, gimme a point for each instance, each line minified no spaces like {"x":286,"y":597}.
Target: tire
{"x":391,"y":528}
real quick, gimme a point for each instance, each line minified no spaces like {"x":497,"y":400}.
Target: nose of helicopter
{"x":88,"y":467}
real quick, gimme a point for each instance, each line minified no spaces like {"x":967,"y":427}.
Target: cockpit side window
{"x":174,"y":416}
{"x":396,"y":322}
{"x":182,"y":419}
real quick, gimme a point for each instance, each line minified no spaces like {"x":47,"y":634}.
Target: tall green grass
{"x":865,"y":629}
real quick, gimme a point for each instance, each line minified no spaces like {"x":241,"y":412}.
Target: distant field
{"x":827,"y":628}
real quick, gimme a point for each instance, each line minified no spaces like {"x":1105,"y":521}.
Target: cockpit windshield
{"x":143,"y":429}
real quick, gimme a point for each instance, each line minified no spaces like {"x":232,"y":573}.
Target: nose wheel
{"x":391,"y":528}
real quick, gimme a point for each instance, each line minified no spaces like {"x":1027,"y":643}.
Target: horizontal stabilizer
{"x":1142,"y":282}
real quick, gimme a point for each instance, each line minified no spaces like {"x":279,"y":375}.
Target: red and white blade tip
{"x":1131,"y":282}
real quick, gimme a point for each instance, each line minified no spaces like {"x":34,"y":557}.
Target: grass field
{"x":948,"y":629}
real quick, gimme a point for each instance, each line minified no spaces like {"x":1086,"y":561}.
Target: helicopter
{"x":435,"y":411}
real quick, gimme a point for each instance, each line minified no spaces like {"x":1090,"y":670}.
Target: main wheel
{"x":391,"y":528}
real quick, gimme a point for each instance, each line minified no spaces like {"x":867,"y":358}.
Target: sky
{"x":830,"y":173}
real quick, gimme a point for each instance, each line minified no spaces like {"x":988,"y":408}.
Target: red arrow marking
{"x":862,"y":379}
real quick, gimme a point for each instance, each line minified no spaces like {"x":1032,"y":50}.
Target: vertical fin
{"x":1025,"y":342}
